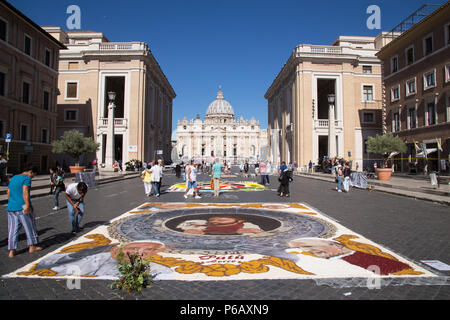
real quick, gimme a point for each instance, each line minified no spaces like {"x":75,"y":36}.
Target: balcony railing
{"x":323,"y":123}
{"x":319,"y":49}
{"x":118,"y":123}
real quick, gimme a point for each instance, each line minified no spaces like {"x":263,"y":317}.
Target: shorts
{"x":192,"y":184}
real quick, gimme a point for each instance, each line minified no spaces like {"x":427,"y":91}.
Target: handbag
{"x":212,"y":183}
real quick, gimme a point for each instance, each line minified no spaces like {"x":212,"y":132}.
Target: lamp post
{"x":110,"y":149}
{"x":331,"y":126}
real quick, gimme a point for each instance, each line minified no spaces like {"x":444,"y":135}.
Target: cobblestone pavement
{"x":417,"y":230}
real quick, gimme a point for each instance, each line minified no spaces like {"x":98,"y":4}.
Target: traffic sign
{"x":8,"y":137}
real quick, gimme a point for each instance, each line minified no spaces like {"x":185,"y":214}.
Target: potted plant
{"x":75,"y":144}
{"x":386,"y":145}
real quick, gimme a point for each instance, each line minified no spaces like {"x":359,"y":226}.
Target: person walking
{"x":262,"y":172}
{"x":268,"y":172}
{"x":20,"y":211}
{"x":157,"y":174}
{"x":217,"y":172}
{"x":339,"y":177}
{"x":75,"y":194}
{"x":146,"y":177}
{"x":191,"y":179}
{"x":246,"y":168}
{"x":285,"y":179}
{"x":59,"y":186}
{"x":178,"y":171}
{"x":347,"y":173}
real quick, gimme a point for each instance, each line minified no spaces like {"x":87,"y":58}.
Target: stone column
{"x":110,"y":152}
{"x":331,"y":132}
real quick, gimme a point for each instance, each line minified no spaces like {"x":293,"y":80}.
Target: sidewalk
{"x":417,"y":187}
{"x":40,"y":184}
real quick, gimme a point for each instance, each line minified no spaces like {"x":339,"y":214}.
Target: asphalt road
{"x":418,"y":230}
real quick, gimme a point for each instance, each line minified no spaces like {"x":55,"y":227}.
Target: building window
{"x":368,"y":117}
{"x":448,"y":107}
{"x":71,"y":90}
{"x":2,"y":83}
{"x":26,"y":92}
{"x":447,"y":73}
{"x":428,"y":45}
{"x":409,"y":55}
{"x":48,"y":58}
{"x":394,"y":64}
{"x":24,"y":132}
{"x":431,"y":114}
{"x":395,"y":93}
{"x":429,"y":80}
{"x":411,"y":87}
{"x":27,"y":45}
{"x":396,"y":122}
{"x":46,"y":100}
{"x":412,"y":123}
{"x":368,"y":94}
{"x":2,"y":128}
{"x":44,"y":136}
{"x":3,"y":30}
{"x":71,"y":115}
{"x":447,"y":33}
{"x":73,"y":65}
{"x":367,"y":69}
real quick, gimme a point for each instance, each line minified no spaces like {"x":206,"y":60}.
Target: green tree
{"x":385,"y":145}
{"x":75,"y":144}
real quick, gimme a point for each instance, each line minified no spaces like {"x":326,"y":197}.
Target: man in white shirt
{"x":191,"y":180}
{"x":157,"y":174}
{"x":75,"y":194}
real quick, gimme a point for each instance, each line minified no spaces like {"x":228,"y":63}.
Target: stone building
{"x":221,"y":135}
{"x":416,"y":79}
{"x":92,"y":66}
{"x":299,"y":125}
{"x":28,"y":90}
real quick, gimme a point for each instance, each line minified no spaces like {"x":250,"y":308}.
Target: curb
{"x":387,"y":189}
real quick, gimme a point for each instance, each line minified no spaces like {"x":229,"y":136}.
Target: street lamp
{"x":110,"y":149}
{"x":331,"y":126}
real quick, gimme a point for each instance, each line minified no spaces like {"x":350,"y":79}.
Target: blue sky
{"x":240,"y":45}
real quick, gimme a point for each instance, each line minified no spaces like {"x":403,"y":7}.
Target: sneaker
{"x":339,"y":190}
{"x":198,"y":197}
{"x":55,"y":208}
{"x":185,"y":196}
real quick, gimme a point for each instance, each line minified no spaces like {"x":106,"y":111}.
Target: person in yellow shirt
{"x":146,"y":177}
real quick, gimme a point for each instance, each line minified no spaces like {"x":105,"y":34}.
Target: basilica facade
{"x":220,"y":135}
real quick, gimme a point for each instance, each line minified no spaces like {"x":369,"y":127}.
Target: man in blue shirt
{"x":20,"y":211}
{"x":217,"y":172}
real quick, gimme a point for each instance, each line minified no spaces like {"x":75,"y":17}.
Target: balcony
{"x":119,"y":123}
{"x":319,"y":49}
{"x":323,"y":124}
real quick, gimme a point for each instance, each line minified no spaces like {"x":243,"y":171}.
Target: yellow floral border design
{"x":173,"y":206}
{"x":224,"y":270}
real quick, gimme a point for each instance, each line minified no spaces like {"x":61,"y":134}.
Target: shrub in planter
{"x":385,"y":144}
{"x":75,"y":144}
